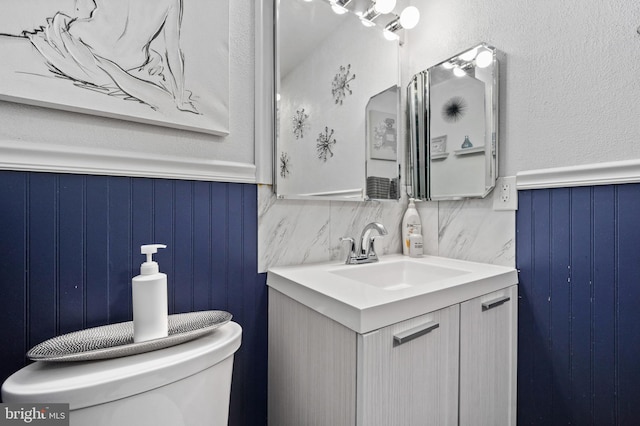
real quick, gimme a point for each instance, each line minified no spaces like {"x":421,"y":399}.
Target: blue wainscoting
{"x":578,"y":252}
{"x":69,"y":245}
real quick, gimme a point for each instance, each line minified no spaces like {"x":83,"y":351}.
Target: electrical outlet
{"x":505,"y":194}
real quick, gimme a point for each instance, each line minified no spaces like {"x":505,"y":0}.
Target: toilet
{"x":183,"y":385}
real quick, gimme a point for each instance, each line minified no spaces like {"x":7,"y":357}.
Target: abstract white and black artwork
{"x":162,"y":62}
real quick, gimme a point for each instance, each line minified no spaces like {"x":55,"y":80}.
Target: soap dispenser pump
{"x":150,"y":320}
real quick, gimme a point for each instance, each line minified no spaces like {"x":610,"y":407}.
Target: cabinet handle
{"x":495,"y":302}
{"x":414,"y":332}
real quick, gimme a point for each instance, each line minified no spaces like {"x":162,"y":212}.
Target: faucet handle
{"x":352,"y":249}
{"x":352,"y":241}
{"x":371,"y":252}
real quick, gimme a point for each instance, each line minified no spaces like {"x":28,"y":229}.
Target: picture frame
{"x":382,"y":135}
{"x":439,"y":145}
{"x":170,"y":69}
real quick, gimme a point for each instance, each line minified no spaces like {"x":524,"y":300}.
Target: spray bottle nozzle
{"x":150,"y":267}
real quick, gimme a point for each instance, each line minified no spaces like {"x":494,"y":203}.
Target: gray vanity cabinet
{"x":454,"y":366}
{"x":488,"y":356}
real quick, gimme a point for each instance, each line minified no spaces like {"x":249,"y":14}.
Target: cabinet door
{"x":408,"y":372}
{"x":312,"y":367}
{"x":488,"y":339}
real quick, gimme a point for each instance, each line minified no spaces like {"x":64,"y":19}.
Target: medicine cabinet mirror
{"x":453,"y":125}
{"x":337,"y":104}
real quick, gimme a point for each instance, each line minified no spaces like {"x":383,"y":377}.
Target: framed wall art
{"x":383,"y":136}
{"x":163,"y":62}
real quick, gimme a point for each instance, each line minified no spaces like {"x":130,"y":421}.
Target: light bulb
{"x":484,"y":59}
{"x":337,"y":9}
{"x":389,"y":35}
{"x":278,"y":97}
{"x":447,"y":65}
{"x":409,"y":17}
{"x":384,"y":6}
{"x":366,"y":22}
{"x":459,"y":72}
{"x":469,"y":55}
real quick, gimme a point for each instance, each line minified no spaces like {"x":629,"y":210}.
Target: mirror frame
{"x":419,"y":125}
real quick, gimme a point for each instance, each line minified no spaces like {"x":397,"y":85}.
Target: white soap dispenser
{"x":410,"y":225}
{"x":150,"y":319}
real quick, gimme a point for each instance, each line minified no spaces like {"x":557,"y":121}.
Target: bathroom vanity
{"x":429,"y":341}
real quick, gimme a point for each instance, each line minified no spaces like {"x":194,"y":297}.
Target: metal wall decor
{"x":325,"y":141}
{"x":285,"y":163}
{"x":299,"y":123}
{"x":340,"y":86}
{"x":454,"y":109}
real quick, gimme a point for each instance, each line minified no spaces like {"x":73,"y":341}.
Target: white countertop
{"x":339,"y":292}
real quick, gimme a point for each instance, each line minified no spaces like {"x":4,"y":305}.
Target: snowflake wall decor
{"x":285,"y":164}
{"x":299,"y":123}
{"x":340,"y":86}
{"x":325,"y":141}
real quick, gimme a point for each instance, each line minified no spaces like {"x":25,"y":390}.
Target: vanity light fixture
{"x":339,"y":6}
{"x":469,"y":55}
{"x":459,"y":71}
{"x":484,"y":59}
{"x":408,"y":19}
{"x":462,"y":68}
{"x":379,"y":7}
{"x":390,"y":35}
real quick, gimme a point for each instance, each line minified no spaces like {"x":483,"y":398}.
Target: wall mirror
{"x":337,"y":104}
{"x":453,"y":123}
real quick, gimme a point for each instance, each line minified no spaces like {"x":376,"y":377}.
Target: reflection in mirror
{"x":329,"y":69}
{"x":453,"y":109}
{"x":382,"y":145}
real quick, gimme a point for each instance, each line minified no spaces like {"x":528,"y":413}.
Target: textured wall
{"x":569,"y":81}
{"x":69,"y":245}
{"x":577,"y":252}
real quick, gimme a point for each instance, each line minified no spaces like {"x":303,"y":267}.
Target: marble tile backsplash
{"x":472,"y":230}
{"x":293,"y":232}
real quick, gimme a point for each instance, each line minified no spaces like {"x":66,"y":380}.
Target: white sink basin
{"x":371,"y":296}
{"x":398,"y":274}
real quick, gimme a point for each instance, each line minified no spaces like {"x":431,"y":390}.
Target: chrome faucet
{"x":365,"y":252}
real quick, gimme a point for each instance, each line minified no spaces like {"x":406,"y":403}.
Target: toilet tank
{"x":183,"y":385}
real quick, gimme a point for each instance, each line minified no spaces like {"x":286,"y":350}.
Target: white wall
{"x":20,"y":124}
{"x":570,"y":79}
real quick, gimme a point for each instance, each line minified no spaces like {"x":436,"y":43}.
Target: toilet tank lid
{"x":83,"y":384}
